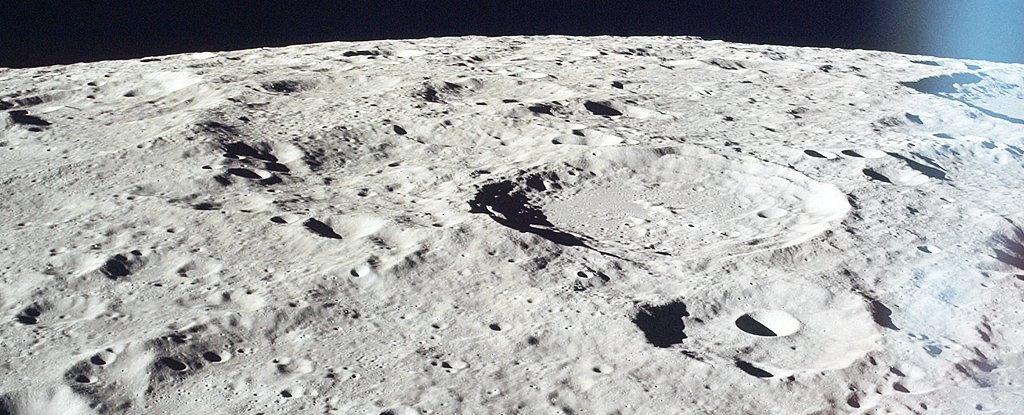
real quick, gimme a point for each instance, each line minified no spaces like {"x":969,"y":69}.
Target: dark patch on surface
{"x":173,"y":364}
{"x":929,"y":63}
{"x":536,"y":182}
{"x":726,"y":64}
{"x":814,"y":154}
{"x":978,"y":379}
{"x":634,"y":52}
{"x":875,"y":175}
{"x":320,"y":228}
{"x":889,"y":121}
{"x":276,"y":167}
{"x":430,"y":93}
{"x":29,"y":316}
{"x":116,"y":267}
{"x":511,"y":207}
{"x":218,"y":129}
{"x":913,"y":118}
{"x":271,"y":180}
{"x":314,"y":158}
{"x":753,"y":370}
{"x":932,"y":172}
{"x":206,"y":206}
{"x":692,"y":355}
{"x":617,"y":84}
{"x":881,"y":314}
{"x":1011,"y":248}
{"x":982,"y":362}
{"x":586,"y":282}
{"x":287,"y":86}
{"x":246,"y":173}
{"x":223,"y":179}
{"x":797,"y":112}
{"x":752,"y":326}
{"x":942,"y":84}
{"x":601,"y":108}
{"x":22,"y":117}
{"x":399,"y":130}
{"x":540,"y":109}
{"x":943,"y":135}
{"x":121,"y":265}
{"x":238,"y":148}
{"x":600,"y":275}
{"x":30,"y":101}
{"x":360,"y":53}
{"x":663,"y":324}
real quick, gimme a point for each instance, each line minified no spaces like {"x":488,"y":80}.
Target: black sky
{"x":36,"y":33}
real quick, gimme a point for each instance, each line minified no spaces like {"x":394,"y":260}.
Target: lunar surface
{"x":519,"y":225}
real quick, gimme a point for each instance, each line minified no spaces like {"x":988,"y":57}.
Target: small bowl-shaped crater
{"x":768,"y":323}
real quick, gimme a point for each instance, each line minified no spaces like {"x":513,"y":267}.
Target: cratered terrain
{"x":554,"y":225}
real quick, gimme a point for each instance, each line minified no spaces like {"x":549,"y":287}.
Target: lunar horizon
{"x":522,"y":224}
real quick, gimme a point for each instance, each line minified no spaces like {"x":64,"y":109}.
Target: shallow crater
{"x":678,"y":201}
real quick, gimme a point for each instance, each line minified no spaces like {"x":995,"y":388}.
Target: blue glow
{"x":976,"y":28}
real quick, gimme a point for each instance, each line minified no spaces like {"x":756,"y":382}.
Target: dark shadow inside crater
{"x":942,"y":84}
{"x":663,"y":324}
{"x":510,"y":206}
{"x":752,"y":326}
